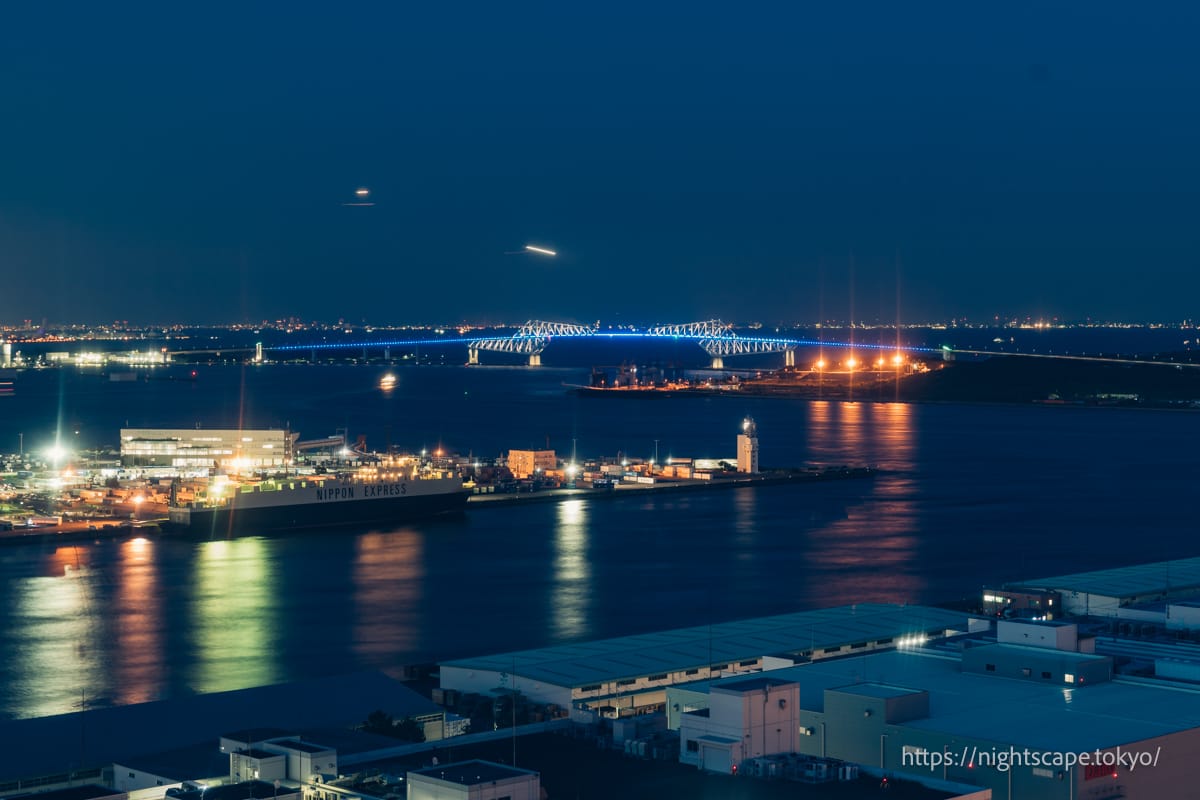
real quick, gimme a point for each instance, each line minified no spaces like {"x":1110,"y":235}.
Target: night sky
{"x":779,"y":162}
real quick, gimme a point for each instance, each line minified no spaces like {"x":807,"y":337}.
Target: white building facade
{"x":199,"y":449}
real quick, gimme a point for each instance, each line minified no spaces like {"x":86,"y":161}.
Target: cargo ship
{"x":667,"y":390}
{"x":354,"y":499}
{"x":627,"y":381}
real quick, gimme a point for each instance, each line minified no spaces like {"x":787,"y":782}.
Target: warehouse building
{"x":1103,"y":593}
{"x":629,"y":675}
{"x":1003,"y":717}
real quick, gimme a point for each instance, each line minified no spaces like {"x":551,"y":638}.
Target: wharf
{"x":626,"y":490}
{"x":79,"y":531}
{"x":119,"y":528}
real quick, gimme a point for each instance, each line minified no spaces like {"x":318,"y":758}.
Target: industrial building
{"x":629,"y":675}
{"x":199,"y":449}
{"x":473,"y":780}
{"x":1003,"y":717}
{"x":1102,"y":593}
{"x":741,"y":718}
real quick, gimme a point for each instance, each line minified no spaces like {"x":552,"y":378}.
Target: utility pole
{"x":514,"y":713}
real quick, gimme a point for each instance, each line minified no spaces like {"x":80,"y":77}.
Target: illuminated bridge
{"x":716,"y":338}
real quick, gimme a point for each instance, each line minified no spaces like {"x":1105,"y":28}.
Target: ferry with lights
{"x":382,"y":495}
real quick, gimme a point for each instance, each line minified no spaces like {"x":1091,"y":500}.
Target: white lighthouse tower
{"x":747,"y":447}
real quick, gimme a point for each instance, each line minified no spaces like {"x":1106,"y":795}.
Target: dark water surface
{"x":971,"y":495}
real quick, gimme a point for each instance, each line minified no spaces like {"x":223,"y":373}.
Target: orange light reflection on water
{"x":871,"y":554}
{"x":139,"y":649}
{"x":389,"y":573}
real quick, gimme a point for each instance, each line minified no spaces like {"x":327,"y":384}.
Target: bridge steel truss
{"x":715,"y":337}
{"x":529,"y":340}
{"x":718,"y":339}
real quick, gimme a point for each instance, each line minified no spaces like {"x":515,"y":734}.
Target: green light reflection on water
{"x":572,"y":572}
{"x":234,"y":617}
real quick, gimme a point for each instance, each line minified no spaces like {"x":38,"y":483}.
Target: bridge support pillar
{"x":789,"y":357}
{"x":535,"y":359}
{"x":718,"y":362}
{"x":258,"y":352}
{"x":313,"y":356}
{"x":472,"y":355}
{"x":387,"y":354}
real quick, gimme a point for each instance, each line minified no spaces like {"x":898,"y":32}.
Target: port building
{"x":630,"y":674}
{"x":199,"y":449}
{"x":975,"y":716}
{"x":526,"y":463}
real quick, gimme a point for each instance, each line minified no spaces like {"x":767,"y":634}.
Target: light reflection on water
{"x":871,"y":553}
{"x":138,"y":620}
{"x":234,"y":621}
{"x":388,"y":579}
{"x":571,"y":592}
{"x":57,"y":641}
{"x":124,"y":621}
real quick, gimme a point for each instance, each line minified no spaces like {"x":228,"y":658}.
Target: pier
{"x":629,"y":490}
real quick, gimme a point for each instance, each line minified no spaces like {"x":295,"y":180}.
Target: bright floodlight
{"x":55,"y":453}
{"x":541,"y":250}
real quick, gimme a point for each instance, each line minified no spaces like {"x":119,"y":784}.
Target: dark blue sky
{"x":774,"y":161}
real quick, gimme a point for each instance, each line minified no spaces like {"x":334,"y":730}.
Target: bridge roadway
{"x":716,"y":338}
